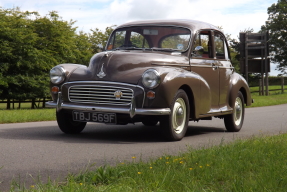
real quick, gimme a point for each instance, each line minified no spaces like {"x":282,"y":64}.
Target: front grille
{"x":99,"y":94}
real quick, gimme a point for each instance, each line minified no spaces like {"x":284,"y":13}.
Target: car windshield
{"x":150,"y":37}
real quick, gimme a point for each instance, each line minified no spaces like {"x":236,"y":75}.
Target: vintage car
{"x":167,"y":71}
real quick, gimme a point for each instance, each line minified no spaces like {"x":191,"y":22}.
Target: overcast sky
{"x":233,"y":16}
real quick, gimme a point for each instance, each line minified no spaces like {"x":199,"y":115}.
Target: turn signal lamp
{"x":55,"y":89}
{"x":151,"y":94}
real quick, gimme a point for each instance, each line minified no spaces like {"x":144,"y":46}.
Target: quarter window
{"x":220,"y":46}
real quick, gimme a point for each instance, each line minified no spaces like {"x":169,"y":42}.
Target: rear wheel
{"x":233,"y":122}
{"x":67,"y":125}
{"x":175,"y":125}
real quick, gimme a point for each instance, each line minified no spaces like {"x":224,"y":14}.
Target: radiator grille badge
{"x":118,"y":94}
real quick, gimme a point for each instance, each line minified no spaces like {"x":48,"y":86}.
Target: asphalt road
{"x":30,"y":150}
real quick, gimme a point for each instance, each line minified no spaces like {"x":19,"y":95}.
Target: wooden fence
{"x":16,"y":104}
{"x":275,"y":81}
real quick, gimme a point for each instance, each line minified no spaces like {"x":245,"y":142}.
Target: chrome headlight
{"x":57,"y":74}
{"x":151,"y":78}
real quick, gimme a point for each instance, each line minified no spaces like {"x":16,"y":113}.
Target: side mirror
{"x":198,"y":51}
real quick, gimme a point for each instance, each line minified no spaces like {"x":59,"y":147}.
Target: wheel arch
{"x":191,"y":100}
{"x":239,"y":84}
{"x":244,"y":93}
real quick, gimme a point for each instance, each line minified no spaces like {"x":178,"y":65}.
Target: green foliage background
{"x":31,"y":45}
{"x":277,"y":27}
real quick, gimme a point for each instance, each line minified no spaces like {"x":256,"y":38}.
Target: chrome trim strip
{"x":105,"y":82}
{"x":132,"y":108}
{"x":171,"y":64}
{"x":203,"y":66}
{"x":131,"y":111}
{"x":216,"y":113}
{"x":59,"y":101}
{"x":51,"y":104}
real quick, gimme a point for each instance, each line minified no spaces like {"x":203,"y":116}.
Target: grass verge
{"x":257,"y":164}
{"x":30,"y":115}
{"x":27,"y":115}
{"x":277,"y":99}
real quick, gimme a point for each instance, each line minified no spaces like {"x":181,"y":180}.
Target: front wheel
{"x":175,"y":125}
{"x":67,"y":125}
{"x":233,"y":122}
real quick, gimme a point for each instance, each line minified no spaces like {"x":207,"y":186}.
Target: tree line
{"x":31,"y":45}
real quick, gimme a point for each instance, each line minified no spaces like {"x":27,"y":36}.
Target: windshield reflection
{"x":150,"y":38}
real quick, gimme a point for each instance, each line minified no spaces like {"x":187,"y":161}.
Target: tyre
{"x":67,"y":125}
{"x":233,"y":122}
{"x":174,"y":126}
{"x":149,"y":122}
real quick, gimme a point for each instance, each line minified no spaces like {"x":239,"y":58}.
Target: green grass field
{"x":257,"y":164}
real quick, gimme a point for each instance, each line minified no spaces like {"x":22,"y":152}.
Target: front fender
{"x":69,"y":70}
{"x":174,"y":79}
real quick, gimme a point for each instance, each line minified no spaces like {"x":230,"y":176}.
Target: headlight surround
{"x":57,"y":74}
{"x":151,"y":78}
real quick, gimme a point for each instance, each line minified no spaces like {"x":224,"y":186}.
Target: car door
{"x":225,"y":69}
{"x":203,"y":63}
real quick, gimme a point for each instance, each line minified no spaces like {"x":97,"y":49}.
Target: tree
{"x":277,"y":27}
{"x":60,"y":42}
{"x":30,"y":46}
{"x":99,"y":37}
{"x":19,"y":58}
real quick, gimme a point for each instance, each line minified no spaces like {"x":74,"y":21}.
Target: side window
{"x":202,"y":47}
{"x":220,"y":47}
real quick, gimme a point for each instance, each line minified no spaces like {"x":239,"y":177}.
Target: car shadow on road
{"x":115,"y":134}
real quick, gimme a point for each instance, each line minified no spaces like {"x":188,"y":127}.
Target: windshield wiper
{"x":164,"y":49}
{"x":128,"y":48}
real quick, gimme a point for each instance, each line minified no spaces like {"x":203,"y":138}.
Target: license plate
{"x":94,"y":117}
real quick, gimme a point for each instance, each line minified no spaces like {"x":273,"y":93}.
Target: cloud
{"x":233,"y":16}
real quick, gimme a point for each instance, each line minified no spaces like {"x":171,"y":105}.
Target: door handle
{"x":214,"y":66}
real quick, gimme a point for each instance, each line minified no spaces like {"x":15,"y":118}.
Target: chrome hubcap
{"x":178,"y":115}
{"x":237,"y":112}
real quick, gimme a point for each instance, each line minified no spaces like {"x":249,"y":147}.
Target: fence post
{"x":282,"y":84}
{"x":8,"y":104}
{"x":260,"y":87}
{"x":33,"y":104}
{"x":44,"y":101}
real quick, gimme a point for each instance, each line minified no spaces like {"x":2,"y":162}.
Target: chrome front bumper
{"x":132,"y":111}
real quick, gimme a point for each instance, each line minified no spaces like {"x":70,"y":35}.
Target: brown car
{"x":167,"y":71}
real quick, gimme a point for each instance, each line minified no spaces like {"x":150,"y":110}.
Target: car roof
{"x":194,"y":25}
